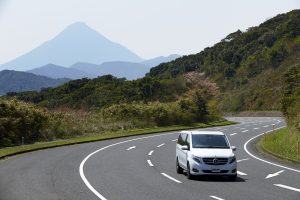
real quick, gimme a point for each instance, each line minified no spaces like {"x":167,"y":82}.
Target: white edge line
{"x":150,"y":153}
{"x":214,"y":197}
{"x":81,"y":172}
{"x":150,"y":163}
{"x":171,"y":178}
{"x":287,"y":187}
{"x":244,"y":131}
{"x":247,"y":151}
{"x":232,"y":134}
{"x":174,"y":140}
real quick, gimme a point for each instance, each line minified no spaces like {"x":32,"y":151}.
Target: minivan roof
{"x":204,"y":132}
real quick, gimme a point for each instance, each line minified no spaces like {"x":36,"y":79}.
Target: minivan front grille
{"x":215,"y":161}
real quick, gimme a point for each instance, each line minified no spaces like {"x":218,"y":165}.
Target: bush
{"x":19,"y":120}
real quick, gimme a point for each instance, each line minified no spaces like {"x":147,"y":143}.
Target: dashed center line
{"x":287,"y":187}
{"x":244,"y":131}
{"x":133,"y":147}
{"x":150,"y":153}
{"x":214,"y":197}
{"x":161,"y":145}
{"x":241,"y":173}
{"x":171,"y":178}
{"x":266,"y":126}
{"x":150,"y":163}
{"x":242,"y":160}
{"x":256,"y":128}
{"x":233,"y":134}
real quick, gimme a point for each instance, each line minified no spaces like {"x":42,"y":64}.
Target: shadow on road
{"x":208,"y":178}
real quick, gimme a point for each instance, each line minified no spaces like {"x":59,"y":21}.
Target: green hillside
{"x":247,"y":66}
{"x":15,"y":81}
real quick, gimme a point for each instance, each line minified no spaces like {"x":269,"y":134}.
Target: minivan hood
{"x":210,"y":152}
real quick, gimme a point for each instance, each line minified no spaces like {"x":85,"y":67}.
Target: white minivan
{"x":205,"y":153}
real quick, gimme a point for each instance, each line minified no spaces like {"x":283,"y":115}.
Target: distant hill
{"x":161,"y":59}
{"x":77,"y":43}
{"x":247,"y":66}
{"x":118,"y":69}
{"x":55,"y":71}
{"x":15,"y":81}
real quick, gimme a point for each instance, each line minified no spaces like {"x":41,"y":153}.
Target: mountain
{"x":121,"y":69}
{"x":56,"y":71}
{"x":77,"y":43}
{"x":247,"y":66}
{"x":14,"y":81}
{"x":161,"y":59}
{"x":118,"y":69}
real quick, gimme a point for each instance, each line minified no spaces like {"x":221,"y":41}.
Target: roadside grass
{"x":5,"y":152}
{"x":283,"y":144}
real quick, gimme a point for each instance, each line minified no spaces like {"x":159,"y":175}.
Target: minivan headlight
{"x":232,"y":159}
{"x":197,"y":159}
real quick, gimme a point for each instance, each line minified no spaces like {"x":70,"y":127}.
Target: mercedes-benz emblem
{"x":215,"y":161}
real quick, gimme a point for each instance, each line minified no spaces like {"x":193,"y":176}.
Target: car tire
{"x":188,"y":172}
{"x":179,"y":169}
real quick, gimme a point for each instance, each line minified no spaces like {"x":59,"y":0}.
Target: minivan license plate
{"x":215,"y":170}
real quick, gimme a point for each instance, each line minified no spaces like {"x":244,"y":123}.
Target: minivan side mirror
{"x":184,"y":147}
{"x":233,"y":148}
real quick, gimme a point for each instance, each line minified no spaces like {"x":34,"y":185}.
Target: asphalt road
{"x":143,"y":168}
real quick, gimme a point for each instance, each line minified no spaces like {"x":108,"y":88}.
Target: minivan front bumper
{"x":205,"y":169}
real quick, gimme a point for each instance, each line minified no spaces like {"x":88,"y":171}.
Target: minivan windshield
{"x":209,"y":141}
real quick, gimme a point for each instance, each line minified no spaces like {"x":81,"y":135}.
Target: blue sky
{"x":147,"y":27}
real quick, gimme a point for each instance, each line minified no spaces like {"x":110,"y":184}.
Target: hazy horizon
{"x":148,"y":28}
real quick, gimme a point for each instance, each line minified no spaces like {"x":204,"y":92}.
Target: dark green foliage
{"x":182,"y":112}
{"x":241,"y":59}
{"x":291,"y":96}
{"x":105,"y":91}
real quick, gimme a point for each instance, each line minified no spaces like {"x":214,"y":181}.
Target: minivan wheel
{"x":188,"y":172}
{"x":179,"y":170}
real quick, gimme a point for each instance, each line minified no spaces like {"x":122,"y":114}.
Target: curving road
{"x":143,"y":167}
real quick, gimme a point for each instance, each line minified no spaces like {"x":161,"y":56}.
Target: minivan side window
{"x":187,"y":141}
{"x":181,"y":139}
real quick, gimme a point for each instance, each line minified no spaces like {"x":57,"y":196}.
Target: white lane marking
{"x":244,"y":131}
{"x":242,"y":160}
{"x":174,"y":140}
{"x":287,"y":187}
{"x":241,"y":173}
{"x":255,"y":128}
{"x":133,"y":147}
{"x":233,"y":134}
{"x":273,"y":175}
{"x":81,"y":172}
{"x":171,"y":178}
{"x":150,"y":163}
{"x":247,"y":151}
{"x":214,"y":197}
{"x":150,"y":153}
{"x":161,"y":145}
{"x":266,"y":126}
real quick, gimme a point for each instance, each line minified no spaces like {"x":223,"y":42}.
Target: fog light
{"x":195,"y":170}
